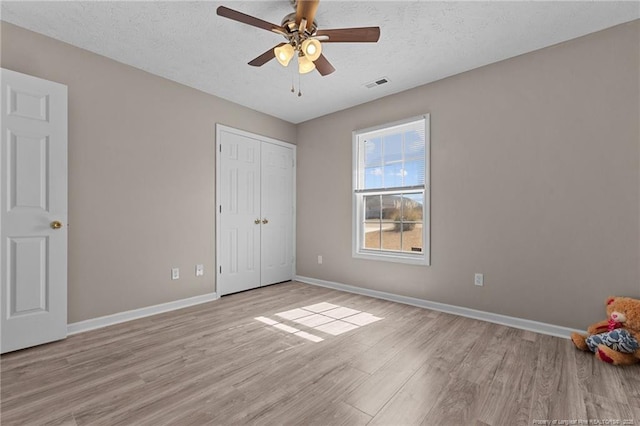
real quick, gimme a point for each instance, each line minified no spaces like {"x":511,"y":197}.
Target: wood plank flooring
{"x":215,"y":364}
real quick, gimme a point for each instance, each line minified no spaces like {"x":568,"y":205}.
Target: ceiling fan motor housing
{"x":289,"y":24}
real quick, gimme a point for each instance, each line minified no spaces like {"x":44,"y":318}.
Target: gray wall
{"x":535,"y":175}
{"x":141,"y":175}
{"x":535,"y":183}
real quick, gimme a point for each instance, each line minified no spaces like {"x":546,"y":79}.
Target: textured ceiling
{"x":420,"y":42}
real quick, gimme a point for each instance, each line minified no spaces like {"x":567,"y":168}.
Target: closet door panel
{"x":277,"y":213}
{"x":239,"y":239}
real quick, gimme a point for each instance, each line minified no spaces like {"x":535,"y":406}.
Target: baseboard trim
{"x":524,"y":324}
{"x":94,"y":323}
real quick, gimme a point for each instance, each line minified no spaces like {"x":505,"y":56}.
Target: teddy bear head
{"x":625,"y":311}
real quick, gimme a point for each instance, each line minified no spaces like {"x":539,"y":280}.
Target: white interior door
{"x":33,"y":211}
{"x":239,"y":212}
{"x":277,"y":213}
{"x":255,"y":201}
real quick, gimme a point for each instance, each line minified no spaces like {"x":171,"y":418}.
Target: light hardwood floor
{"x":215,"y":364}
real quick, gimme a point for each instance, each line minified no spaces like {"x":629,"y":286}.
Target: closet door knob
{"x":265,"y":221}
{"x":257,"y":221}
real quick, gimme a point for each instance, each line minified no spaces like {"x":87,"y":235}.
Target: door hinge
{"x":221,"y":269}
{"x":220,"y":208}
{"x":220,"y":147}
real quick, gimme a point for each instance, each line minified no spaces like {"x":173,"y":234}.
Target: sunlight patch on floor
{"x":338,"y":313}
{"x":325,"y":317}
{"x":293,"y":314}
{"x":336,"y":327}
{"x":266,"y":320}
{"x":320,"y":307}
{"x":313,"y":320}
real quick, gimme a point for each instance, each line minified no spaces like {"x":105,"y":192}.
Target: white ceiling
{"x":420,"y":42}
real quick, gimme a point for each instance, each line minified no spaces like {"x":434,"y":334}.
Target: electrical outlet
{"x":199,"y":270}
{"x":479,"y":279}
{"x":175,"y":273}
{"x":319,"y":259}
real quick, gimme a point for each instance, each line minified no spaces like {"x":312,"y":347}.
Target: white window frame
{"x":423,"y":258}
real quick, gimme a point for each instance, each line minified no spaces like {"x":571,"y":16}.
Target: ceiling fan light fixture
{"x":305,"y":65}
{"x":284,"y":54}
{"x":312,"y":49}
{"x":300,"y":31}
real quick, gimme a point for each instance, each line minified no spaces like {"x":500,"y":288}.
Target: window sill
{"x":421,"y":260}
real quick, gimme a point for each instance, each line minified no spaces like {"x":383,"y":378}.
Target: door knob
{"x":265,"y":221}
{"x":257,"y":221}
{"x":56,"y":224}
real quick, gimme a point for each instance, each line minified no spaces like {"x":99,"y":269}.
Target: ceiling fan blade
{"x":248,"y":19}
{"x":265,"y":57}
{"x":306,"y":10}
{"x":351,"y":35}
{"x":323,"y":66}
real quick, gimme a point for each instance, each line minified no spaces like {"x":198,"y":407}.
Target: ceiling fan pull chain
{"x":293,"y":89}
{"x":299,"y":86}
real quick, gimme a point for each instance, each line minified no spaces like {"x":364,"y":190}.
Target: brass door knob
{"x":56,"y":224}
{"x":265,"y":221}
{"x":257,"y":221}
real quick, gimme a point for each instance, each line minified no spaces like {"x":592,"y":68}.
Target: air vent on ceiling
{"x":378,"y":82}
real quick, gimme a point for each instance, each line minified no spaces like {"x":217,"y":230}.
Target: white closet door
{"x":33,"y":211}
{"x":277,"y":213}
{"x":255,"y":201}
{"x":239,"y":210}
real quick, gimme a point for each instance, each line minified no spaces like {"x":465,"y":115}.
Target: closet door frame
{"x":220,"y":128}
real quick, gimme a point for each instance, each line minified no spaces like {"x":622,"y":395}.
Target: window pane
{"x":392,"y":148}
{"x":391,"y":239}
{"x":414,"y":200}
{"x":372,"y":152}
{"x":414,"y":145}
{"x":411,"y":227}
{"x":373,"y":177}
{"x":414,"y":173}
{"x":371,"y":225}
{"x":372,"y":209}
{"x":393,"y":175}
{"x":390,"y":207}
{"x":412,"y":240}
{"x":372,"y":236}
{"x":391,"y":215}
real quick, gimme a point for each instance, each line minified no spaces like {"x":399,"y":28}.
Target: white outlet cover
{"x":175,"y":273}
{"x":199,"y":270}
{"x":479,"y":279}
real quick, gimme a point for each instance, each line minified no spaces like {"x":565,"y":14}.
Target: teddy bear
{"x":615,"y":340}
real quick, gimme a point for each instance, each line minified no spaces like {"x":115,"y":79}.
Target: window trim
{"x":357,"y":235}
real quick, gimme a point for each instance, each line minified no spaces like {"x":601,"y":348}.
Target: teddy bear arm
{"x":599,"y":327}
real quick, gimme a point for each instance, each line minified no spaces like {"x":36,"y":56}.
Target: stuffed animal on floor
{"x":617,"y":339}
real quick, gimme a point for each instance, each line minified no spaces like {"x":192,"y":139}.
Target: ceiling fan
{"x":303,"y":37}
